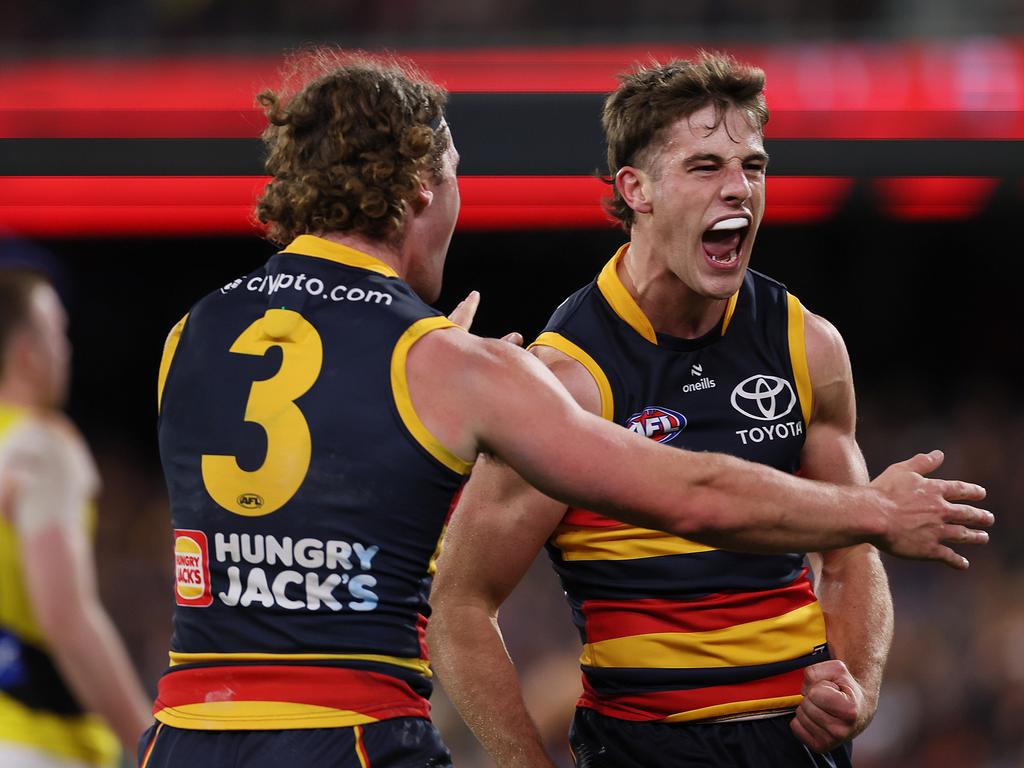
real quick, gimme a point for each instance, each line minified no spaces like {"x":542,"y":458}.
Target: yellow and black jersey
{"x":37,"y":708}
{"x":307,"y":498}
{"x":674,"y":630}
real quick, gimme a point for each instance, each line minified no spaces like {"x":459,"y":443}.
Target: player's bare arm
{"x":65,"y":599}
{"x":499,"y":526}
{"x":495,"y":533}
{"x":477,"y":395}
{"x":841,"y":695}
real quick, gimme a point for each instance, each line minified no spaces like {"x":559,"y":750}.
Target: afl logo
{"x":250,"y":501}
{"x":763,"y":397}
{"x":657,"y":423}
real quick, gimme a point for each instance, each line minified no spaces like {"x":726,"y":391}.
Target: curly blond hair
{"x":348,"y":147}
{"x":651,"y":99}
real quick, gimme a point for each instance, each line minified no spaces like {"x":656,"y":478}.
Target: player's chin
{"x":722,"y":286}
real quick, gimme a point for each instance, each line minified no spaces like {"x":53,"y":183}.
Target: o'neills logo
{"x":191,"y":569}
{"x":699,"y":385}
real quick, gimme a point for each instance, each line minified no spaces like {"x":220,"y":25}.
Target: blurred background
{"x":129,"y":160}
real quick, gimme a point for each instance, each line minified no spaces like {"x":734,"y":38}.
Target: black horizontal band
{"x":489,"y":150}
{"x":30,"y":676}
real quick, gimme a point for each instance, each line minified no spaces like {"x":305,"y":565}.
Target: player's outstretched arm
{"x":479,"y":395}
{"x":61,"y":584}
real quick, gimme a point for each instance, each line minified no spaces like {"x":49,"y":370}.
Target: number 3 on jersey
{"x":271,"y":405}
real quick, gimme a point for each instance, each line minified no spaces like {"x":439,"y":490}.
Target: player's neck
{"x":378,"y":249}
{"x":18,"y":393}
{"x":672,"y":307}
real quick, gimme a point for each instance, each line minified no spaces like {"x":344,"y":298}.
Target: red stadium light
{"x":804,"y":200}
{"x":954,"y":110}
{"x":901,"y":90}
{"x":63,"y":206}
{"x":538,"y":202}
{"x":934,"y":198}
{"x":104,"y":206}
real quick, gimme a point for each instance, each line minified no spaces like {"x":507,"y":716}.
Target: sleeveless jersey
{"x":307,"y":499}
{"x":673,"y":630}
{"x":37,"y":709}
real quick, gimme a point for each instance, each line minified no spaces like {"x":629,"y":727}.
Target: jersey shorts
{"x":598,"y":741}
{"x":402,"y":742}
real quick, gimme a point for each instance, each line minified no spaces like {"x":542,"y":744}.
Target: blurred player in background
{"x":65,"y":677}
{"x":317,"y":418}
{"x":692,"y":655}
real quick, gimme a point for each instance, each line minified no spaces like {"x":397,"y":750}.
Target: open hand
{"x":924,"y":518}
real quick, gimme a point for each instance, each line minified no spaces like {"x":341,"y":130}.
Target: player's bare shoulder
{"x":824,"y":341}
{"x":452,"y":353}
{"x":450,"y":372}
{"x":67,"y":449}
{"x":829,"y":365}
{"x":573,"y":375}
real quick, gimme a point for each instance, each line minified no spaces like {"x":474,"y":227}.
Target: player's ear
{"x":22,"y":351}
{"x":632,"y":184}
{"x":424,"y":196}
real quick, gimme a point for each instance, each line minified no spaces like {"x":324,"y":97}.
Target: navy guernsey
{"x":673,"y":630}
{"x":307,"y":499}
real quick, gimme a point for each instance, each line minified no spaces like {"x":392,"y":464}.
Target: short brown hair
{"x":16,"y":287}
{"x":650,"y":99}
{"x":347,"y":148}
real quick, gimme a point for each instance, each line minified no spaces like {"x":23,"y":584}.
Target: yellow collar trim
{"x":625,"y":305}
{"x":621,"y":301}
{"x":11,"y":414}
{"x":730,"y":307}
{"x":310,"y":245}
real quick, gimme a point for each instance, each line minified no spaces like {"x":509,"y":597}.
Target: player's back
{"x":306,"y":497}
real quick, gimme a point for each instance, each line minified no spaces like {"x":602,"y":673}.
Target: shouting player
{"x":692,"y":654}
{"x":317,"y":418}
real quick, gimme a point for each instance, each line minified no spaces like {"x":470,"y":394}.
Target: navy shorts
{"x":607,"y":742}
{"x":403,"y":742}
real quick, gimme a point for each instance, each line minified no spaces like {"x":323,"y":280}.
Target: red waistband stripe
{"x":608,"y":619}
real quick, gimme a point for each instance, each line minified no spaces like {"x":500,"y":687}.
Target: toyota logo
{"x":763,"y":397}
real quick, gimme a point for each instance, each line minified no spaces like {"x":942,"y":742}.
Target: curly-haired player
{"x":317,"y":418}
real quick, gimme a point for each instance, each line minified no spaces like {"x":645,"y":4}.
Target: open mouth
{"x":723,"y":240}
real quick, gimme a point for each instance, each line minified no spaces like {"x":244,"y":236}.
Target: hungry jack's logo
{"x":657,"y":423}
{"x":191,"y":569}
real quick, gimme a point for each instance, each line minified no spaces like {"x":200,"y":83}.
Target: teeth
{"x":728,"y":257}
{"x":737,"y":222}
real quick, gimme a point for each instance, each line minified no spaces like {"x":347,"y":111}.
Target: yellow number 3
{"x":272,"y":406}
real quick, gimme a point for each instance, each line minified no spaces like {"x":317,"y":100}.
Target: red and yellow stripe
{"x":753,"y":643}
{"x":152,"y":744}
{"x":610,"y":619}
{"x":364,"y":759}
{"x":620,"y":542}
{"x":779,"y":692}
{"x":282,"y":697}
